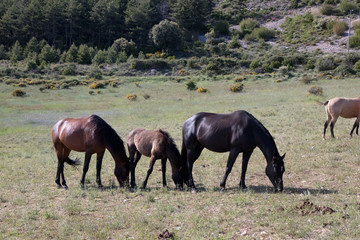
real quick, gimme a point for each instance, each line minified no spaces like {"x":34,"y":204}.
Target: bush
{"x":18,"y":93}
{"x":327,"y":9}
{"x":316,"y":90}
{"x":343,"y":70}
{"x":339,"y":28}
{"x":306,"y":79}
{"x":131,"y":97}
{"x":201,"y":90}
{"x":83,"y":55}
{"x":255,"y":64}
{"x":191,"y":85}
{"x":166,"y":35}
{"x":247,"y":25}
{"x":97,"y":85}
{"x":345,"y":6}
{"x":222,"y":28}
{"x":324,"y":64}
{"x":239,"y":79}
{"x":357,"y":66}
{"x":237,"y":87}
{"x":264,"y":33}
{"x":354,"y":41}
{"x":144,"y":64}
{"x":69,"y":70}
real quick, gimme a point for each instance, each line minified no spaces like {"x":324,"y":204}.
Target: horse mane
{"x":170,"y":141}
{"x":109,"y":136}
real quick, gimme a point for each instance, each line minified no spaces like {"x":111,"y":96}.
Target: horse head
{"x":275,"y":170}
{"x":122,"y":173}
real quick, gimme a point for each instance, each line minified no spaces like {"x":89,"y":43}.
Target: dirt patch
{"x":309,"y":208}
{"x":166,"y":235}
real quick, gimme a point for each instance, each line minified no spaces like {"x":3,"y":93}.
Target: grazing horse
{"x":90,"y":135}
{"x":343,"y":107}
{"x":235,"y":133}
{"x":156,"y":144}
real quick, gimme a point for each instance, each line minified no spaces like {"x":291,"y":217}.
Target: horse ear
{"x":283,"y":156}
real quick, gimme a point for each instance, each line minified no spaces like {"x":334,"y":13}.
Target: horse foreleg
{"x":98,"y":168}
{"x":163,"y":169}
{"x":230,"y":163}
{"x":245,"y":160}
{"x":151,"y":167}
{"x":85,"y":168}
{"x":134,"y":159}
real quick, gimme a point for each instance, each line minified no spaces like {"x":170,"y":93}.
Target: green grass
{"x":324,"y":172}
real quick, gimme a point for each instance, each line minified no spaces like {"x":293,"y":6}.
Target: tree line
{"x":98,"y":23}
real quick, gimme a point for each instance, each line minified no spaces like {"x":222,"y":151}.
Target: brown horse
{"x":343,"y":107}
{"x":90,"y":135}
{"x":156,"y":144}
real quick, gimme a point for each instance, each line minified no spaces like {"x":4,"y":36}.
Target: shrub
{"x":166,"y":35}
{"x":69,"y":70}
{"x":191,"y":85}
{"x":18,"y":93}
{"x":255,"y":64}
{"x":247,"y":25}
{"x":96,"y":85}
{"x":343,"y":70}
{"x":144,"y":64}
{"x":31,"y":65}
{"x":357,"y":66}
{"x":239,"y":79}
{"x":306,"y":79}
{"x":201,"y":90}
{"x":131,"y":97}
{"x":264,"y":33}
{"x":339,"y":28}
{"x":324,"y":64}
{"x":99,"y":57}
{"x":146,"y":96}
{"x":316,"y":90}
{"x":91,"y":92}
{"x":327,"y":9}
{"x":354,"y":41}
{"x":345,"y":6}
{"x":222,"y":28}
{"x":83,"y":54}
{"x":237,"y":87}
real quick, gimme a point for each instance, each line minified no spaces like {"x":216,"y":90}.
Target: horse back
{"x":150,"y":142}
{"x":219,"y":132}
{"x":344,"y":107}
{"x":80,"y":134}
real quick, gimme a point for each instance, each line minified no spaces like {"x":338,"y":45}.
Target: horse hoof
{"x":222,"y":190}
{"x":65,"y":187}
{"x":100,"y":186}
{"x":58,"y":186}
{"x":82,"y":186}
{"x":193,"y":190}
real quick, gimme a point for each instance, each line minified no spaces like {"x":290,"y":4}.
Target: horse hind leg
{"x":62,"y":153}
{"x":332,"y":125}
{"x":134,"y":159}
{"x":151,"y":167}
{"x":326,"y":124}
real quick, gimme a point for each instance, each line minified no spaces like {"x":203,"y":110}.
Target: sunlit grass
{"x":324,"y":172}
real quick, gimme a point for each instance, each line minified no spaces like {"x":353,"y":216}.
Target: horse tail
{"x":326,"y":103}
{"x":71,"y":162}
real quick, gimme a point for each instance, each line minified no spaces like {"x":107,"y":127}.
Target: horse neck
{"x":116,"y":148}
{"x":267,"y":146}
{"x":174,"y":156}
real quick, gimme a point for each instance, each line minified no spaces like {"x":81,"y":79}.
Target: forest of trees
{"x":97,"y":23}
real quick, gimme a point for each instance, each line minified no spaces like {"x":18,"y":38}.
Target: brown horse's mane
{"x":110,"y":138}
{"x":170,"y":141}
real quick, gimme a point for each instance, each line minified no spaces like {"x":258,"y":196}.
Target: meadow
{"x":321,"y":197}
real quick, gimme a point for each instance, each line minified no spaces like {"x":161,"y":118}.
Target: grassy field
{"x":320,"y":176}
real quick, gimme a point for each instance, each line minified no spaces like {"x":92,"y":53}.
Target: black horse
{"x":235,"y":133}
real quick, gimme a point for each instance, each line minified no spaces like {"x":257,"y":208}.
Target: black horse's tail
{"x":325,"y":103}
{"x":71,"y":162}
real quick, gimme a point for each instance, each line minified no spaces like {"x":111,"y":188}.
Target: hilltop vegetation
{"x":212,"y":37}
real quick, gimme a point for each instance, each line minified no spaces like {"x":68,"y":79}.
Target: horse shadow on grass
{"x":202,"y":188}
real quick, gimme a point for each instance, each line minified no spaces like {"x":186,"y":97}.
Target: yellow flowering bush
{"x":237,"y":87}
{"x":131,"y":97}
{"x":202,"y":90}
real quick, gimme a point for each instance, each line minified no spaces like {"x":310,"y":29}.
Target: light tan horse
{"x":156,"y":144}
{"x":343,"y":107}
